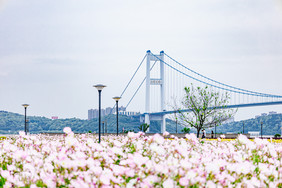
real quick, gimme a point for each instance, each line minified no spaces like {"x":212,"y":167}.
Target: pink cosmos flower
{"x":183,"y":181}
{"x":165,"y":133}
{"x":22,"y":133}
{"x":67,"y":130}
{"x":158,"y":139}
{"x":129,"y":172}
{"x":105,"y":179}
{"x":169,"y":183}
{"x":210,"y":184}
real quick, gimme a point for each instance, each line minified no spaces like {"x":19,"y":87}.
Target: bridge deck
{"x":229,"y":106}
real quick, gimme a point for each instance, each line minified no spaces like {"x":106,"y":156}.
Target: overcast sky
{"x":53,"y":52}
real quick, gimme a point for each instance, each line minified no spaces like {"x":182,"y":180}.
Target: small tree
{"x":144,"y":127}
{"x":207,"y":108}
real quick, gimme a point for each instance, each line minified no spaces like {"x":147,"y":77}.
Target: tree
{"x":207,"y":108}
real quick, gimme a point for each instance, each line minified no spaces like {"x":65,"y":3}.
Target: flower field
{"x":137,"y":160}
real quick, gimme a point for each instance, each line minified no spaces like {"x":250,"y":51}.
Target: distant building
{"x":272,"y":112}
{"x":54,"y":117}
{"x":94,"y":113}
{"x":109,"y":110}
{"x":263,"y":114}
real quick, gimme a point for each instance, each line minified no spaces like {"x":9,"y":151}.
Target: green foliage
{"x":186,"y":130}
{"x":12,"y":123}
{"x":277,"y":135}
{"x":144,"y":127}
{"x":40,"y":183}
{"x":127,"y":131}
{"x":2,"y":181}
{"x":271,"y":125}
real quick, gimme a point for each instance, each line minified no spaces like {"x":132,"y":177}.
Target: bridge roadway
{"x":228,"y":106}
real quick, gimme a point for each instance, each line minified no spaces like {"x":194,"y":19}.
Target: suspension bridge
{"x":164,"y":87}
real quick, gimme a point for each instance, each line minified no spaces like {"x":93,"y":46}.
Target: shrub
{"x":185,"y":130}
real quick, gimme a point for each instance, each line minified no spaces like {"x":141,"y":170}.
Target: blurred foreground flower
{"x":137,"y":160}
{"x":67,"y":130}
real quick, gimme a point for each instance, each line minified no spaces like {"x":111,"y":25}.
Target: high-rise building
{"x":93,"y":113}
{"x":109,"y":110}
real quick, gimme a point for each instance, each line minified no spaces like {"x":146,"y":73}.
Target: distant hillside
{"x":12,"y":123}
{"x":271,"y":125}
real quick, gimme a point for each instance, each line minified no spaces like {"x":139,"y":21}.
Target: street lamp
{"x":214,"y":130}
{"x":25,"y":107}
{"x":99,"y":87}
{"x":176,"y":125}
{"x":106,"y":130}
{"x":27,"y":126}
{"x":243,"y":126}
{"x":261,"y":129}
{"x":117,"y":99}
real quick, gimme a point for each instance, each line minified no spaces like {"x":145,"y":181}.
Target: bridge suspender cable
{"x":133,"y":75}
{"x":139,"y":86}
{"x":201,"y":80}
{"x":130,"y":80}
{"x":248,"y":91}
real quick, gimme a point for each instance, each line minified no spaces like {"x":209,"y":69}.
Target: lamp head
{"x":25,"y":105}
{"x":116,"y":98}
{"x":99,"y":87}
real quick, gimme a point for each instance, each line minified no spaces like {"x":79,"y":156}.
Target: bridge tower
{"x":155,"y":81}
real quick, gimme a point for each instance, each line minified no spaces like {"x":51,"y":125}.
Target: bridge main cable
{"x":139,"y":86}
{"x":234,"y":91}
{"x":248,"y":91}
{"x":130,"y":80}
{"x":133,"y":75}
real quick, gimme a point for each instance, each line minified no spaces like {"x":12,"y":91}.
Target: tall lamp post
{"x":99,"y":87}
{"x":243,"y":126}
{"x":261,"y":129}
{"x":106,"y":130}
{"x":27,"y":126}
{"x":117,"y":99}
{"x":103,"y":123}
{"x":215,"y":131}
{"x":25,"y":122}
{"x":176,"y":125}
